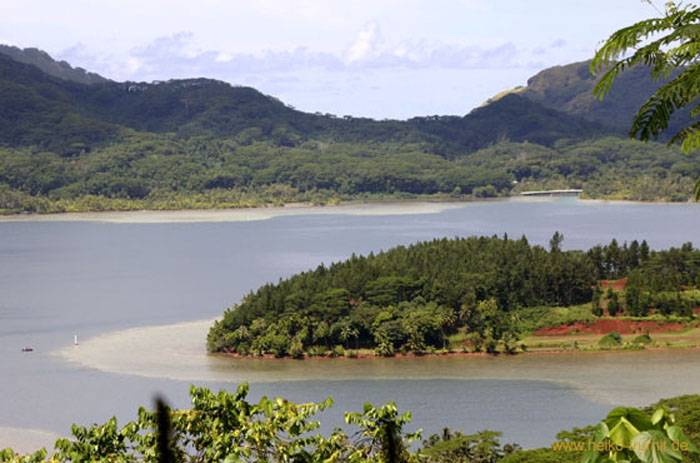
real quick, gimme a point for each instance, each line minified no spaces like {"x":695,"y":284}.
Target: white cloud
{"x":133,"y":65}
{"x":178,"y":56}
{"x":223,"y":57}
{"x":366,"y":45}
{"x":176,"y":45}
{"x":426,"y":56}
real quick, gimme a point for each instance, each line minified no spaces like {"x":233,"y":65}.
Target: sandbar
{"x":406,"y":207}
{"x":178,"y":352}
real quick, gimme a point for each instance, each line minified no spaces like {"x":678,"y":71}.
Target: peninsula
{"x":472,"y":295}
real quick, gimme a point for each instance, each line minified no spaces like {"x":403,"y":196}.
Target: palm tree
{"x":348,"y":331}
{"x":444,"y":318}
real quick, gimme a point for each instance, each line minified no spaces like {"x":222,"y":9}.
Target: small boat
{"x":27,"y":349}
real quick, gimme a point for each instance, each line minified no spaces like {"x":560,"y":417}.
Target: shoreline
{"x":409,"y":355}
{"x":265,"y":212}
{"x":178,"y":352}
{"x":245,"y":214}
{"x":635,"y":201}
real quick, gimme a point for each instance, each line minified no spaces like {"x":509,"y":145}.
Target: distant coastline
{"x":263,"y":212}
{"x":242,"y":214}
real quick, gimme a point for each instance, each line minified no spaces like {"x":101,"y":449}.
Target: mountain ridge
{"x":565,"y":88}
{"x":569,"y":88}
{"x":44,"y":61}
{"x":66,"y":145}
{"x":193,"y":107}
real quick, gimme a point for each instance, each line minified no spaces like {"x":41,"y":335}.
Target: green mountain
{"x":43,"y":61}
{"x":35,"y":97}
{"x":72,"y":140}
{"x":569,"y":89}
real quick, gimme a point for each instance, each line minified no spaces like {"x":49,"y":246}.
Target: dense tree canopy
{"x":485,"y":291}
{"x":151,"y":171}
{"x":411,"y":296}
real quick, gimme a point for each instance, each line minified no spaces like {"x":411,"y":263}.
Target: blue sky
{"x":375,"y":58}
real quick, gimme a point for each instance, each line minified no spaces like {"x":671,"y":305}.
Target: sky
{"x":372,"y":58}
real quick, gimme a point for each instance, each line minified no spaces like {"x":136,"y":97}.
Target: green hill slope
{"x":569,"y":89}
{"x":48,"y":65}
{"x":70,"y":142}
{"x":205,"y":107}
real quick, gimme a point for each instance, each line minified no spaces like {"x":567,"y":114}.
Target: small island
{"x":485,"y":295}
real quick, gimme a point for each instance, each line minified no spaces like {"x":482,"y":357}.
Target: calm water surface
{"x":62,"y":278}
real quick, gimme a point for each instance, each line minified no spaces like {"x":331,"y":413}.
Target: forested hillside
{"x":476,"y":292}
{"x":214,"y":109}
{"x":569,"y":89}
{"x":72,"y":141}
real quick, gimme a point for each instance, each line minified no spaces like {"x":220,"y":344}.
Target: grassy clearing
{"x":589,"y":341}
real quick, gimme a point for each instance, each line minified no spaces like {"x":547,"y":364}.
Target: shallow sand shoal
{"x":242,"y":214}
{"x":175,"y":351}
{"x":26,"y":440}
{"x":178,"y":352}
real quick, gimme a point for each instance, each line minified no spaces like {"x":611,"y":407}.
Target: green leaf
{"x":232,"y":458}
{"x":634,"y":416}
{"x":654,"y":447}
{"x":657,"y":416}
{"x":677,"y":435}
{"x":590,"y":456}
{"x":601,"y":432}
{"x":623,"y":432}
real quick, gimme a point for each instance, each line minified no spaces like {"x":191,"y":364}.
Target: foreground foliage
{"x":226,"y":427}
{"x":629,"y":434}
{"x":669,"y":46}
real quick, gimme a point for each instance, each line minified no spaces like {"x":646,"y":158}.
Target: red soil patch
{"x":616,"y":285}
{"x":606,"y":325}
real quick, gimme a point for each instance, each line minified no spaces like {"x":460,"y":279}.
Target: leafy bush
{"x":316,"y":351}
{"x":642,"y":339}
{"x":338,"y":351}
{"x":611,"y":339}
